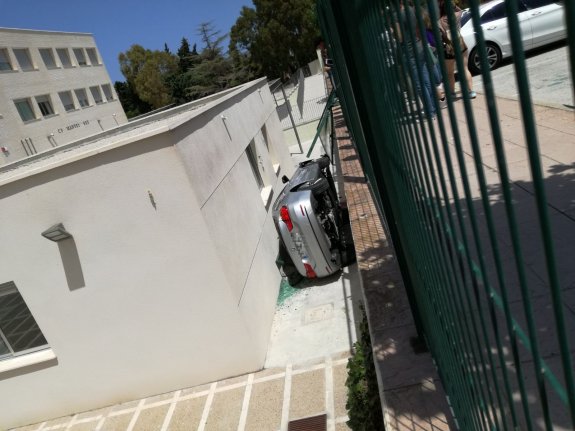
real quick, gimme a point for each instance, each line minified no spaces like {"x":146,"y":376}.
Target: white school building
{"x":54,"y":89}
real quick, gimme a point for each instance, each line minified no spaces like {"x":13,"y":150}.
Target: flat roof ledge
{"x":130,"y":132}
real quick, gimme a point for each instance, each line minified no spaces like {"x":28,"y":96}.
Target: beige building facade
{"x":54,"y":89}
{"x":140,"y":260}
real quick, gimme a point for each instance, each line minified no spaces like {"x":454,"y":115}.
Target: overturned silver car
{"x":308,"y":218}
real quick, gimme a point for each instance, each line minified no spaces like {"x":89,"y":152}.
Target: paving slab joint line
{"x":329,"y":398}
{"x":72,"y":421}
{"x":286,"y":400}
{"x":195,"y":395}
{"x":170,"y":411}
{"x":136,"y":414}
{"x":100,"y":423}
{"x":207,"y":407}
{"x":246,"y":403}
{"x":269,"y":378}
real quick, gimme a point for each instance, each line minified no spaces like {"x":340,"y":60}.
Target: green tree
{"x":213,"y":72}
{"x":146,"y":72}
{"x":132,"y":104}
{"x":187,"y":58}
{"x":276,"y":37}
{"x":242,"y":37}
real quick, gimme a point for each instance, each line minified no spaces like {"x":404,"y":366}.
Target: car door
{"x":547,"y":21}
{"x":496,"y":28}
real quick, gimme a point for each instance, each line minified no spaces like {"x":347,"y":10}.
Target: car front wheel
{"x":493,"y":58}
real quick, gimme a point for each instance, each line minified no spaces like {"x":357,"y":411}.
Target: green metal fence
{"x":462,"y":255}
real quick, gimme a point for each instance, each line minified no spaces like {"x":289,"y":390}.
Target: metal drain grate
{"x":313,"y":423}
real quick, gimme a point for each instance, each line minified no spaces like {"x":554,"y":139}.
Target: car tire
{"x":493,"y":57}
{"x":320,"y":186}
{"x":323,"y":161}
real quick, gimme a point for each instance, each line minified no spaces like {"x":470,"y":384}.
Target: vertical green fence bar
{"x":419,"y":166}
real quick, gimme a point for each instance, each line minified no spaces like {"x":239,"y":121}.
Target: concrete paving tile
{"x":265,"y":408}
{"x":32,"y":427}
{"x":226,"y":410}
{"x":187,"y":414}
{"x":419,"y":407}
{"x":513,"y":154}
{"x":94,"y":413}
{"x":85,"y":426}
{"x":117,"y":423}
{"x":558,"y":412}
{"x":125,"y":406}
{"x":342,"y":427}
{"x":158,"y":398}
{"x":399,"y":365}
{"x":341,"y":355}
{"x":151,"y":419}
{"x":307,"y":394}
{"x":544,"y":320}
{"x":339,"y":390}
{"x":308,"y":364}
{"x":232,"y":381}
{"x":58,"y":421}
{"x":386,"y":298}
{"x":195,"y":389}
{"x":269,"y":372}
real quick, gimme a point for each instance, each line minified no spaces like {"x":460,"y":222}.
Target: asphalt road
{"x":549,"y":77}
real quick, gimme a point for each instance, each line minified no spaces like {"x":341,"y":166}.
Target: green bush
{"x":363,"y":403}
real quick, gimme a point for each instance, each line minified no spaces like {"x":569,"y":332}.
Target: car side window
{"x":534,"y":4}
{"x":496,"y":12}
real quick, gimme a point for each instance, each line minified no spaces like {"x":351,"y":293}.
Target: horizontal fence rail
{"x":475,"y":231}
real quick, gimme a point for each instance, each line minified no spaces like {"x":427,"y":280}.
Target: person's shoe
{"x":472,"y":94}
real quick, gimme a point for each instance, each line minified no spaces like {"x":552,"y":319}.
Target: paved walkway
{"x":260,"y":401}
{"x":411,"y":390}
{"x":305,"y":371}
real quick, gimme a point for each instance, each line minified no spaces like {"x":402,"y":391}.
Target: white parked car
{"x":541,"y":21}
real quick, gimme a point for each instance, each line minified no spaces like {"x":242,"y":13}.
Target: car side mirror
{"x":285,"y":179}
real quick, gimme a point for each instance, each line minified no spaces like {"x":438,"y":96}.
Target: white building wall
{"x":63,"y":126}
{"x":174,"y":295}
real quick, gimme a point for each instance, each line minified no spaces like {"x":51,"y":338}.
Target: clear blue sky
{"x":118,"y":24}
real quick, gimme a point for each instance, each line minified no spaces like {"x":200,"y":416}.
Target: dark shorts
{"x":452,"y":57}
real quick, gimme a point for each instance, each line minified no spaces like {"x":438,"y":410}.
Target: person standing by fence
{"x":450,"y":53}
{"x":415,"y":55}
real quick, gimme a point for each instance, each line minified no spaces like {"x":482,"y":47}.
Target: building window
{"x":67,"y":100}
{"x":93,"y":56}
{"x":19,"y":332}
{"x":271,"y":149}
{"x":80,"y":56}
{"x":96,"y":94}
{"x":82,"y":97}
{"x":45,"y":105}
{"x":108,"y":92}
{"x":25,"y":110}
{"x":23,"y":58}
{"x":253,"y":159}
{"x":48,"y":57}
{"x":64,"y":57}
{"x":5,"y":63}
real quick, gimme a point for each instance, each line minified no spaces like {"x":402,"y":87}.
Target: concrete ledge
{"x":411,"y":393}
{"x":27,"y":363}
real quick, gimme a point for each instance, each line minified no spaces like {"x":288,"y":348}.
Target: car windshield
{"x":465,"y":16}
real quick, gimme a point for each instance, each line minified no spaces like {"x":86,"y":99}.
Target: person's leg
{"x":468,"y":77}
{"x":436,"y":74}
{"x":423,"y":89}
{"x":427,"y":90}
{"x":450,"y":65}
